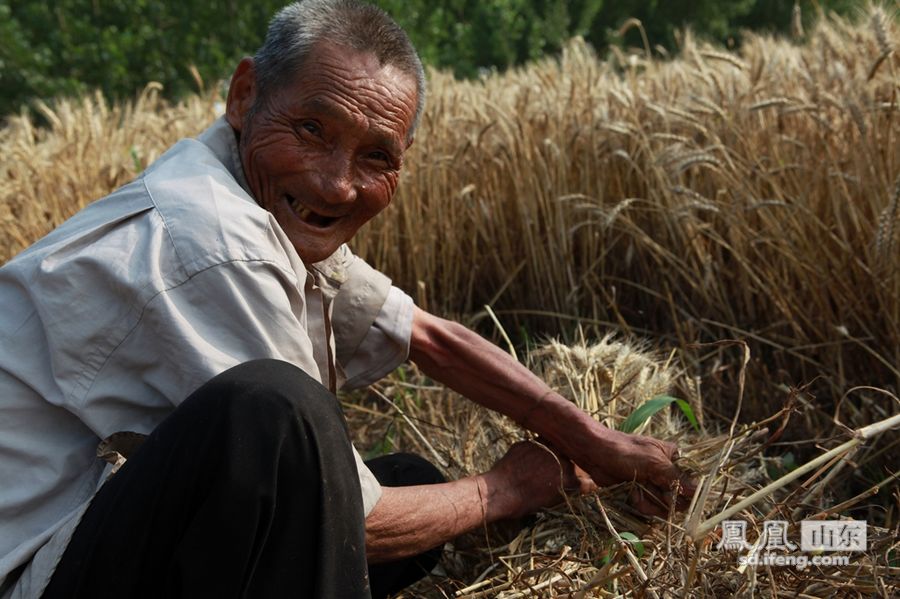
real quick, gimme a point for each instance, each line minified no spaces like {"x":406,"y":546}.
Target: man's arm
{"x":410,"y":520}
{"x":467,"y":363}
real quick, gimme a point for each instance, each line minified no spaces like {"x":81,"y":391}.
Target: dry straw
{"x":596,"y":546}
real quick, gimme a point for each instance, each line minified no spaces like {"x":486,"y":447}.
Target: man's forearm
{"x":407,"y":521}
{"x":410,"y":520}
{"x":469,"y":364}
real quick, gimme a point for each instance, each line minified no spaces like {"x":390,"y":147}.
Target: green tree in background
{"x":72,"y":46}
{"x":468,"y":35}
{"x":662,"y":18}
{"x":774,"y":15}
{"x":117,"y":46}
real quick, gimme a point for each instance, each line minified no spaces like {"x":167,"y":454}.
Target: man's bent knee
{"x":271,"y":386}
{"x":261,"y":397}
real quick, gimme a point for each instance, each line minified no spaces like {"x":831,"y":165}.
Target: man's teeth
{"x":302,"y":211}
{"x":308,"y":216}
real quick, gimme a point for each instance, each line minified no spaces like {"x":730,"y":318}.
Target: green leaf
{"x":635,"y":541}
{"x":138,"y":166}
{"x":788,"y":461}
{"x":384,"y":446}
{"x":651,"y":407}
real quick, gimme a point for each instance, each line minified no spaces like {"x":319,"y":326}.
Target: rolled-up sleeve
{"x":386,"y":343}
{"x":372,"y":323}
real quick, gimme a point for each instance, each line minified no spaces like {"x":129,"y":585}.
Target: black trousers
{"x":248,"y":489}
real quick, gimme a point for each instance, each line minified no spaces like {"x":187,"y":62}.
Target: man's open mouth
{"x":307,"y":215}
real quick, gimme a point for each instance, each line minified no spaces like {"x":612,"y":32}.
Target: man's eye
{"x":311,"y":127}
{"x":380,"y":156}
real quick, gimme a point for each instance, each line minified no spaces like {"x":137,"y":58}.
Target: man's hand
{"x":645,"y":460}
{"x":452,"y":354}
{"x":532,"y":476}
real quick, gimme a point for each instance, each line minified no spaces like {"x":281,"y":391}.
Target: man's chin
{"x":312,"y":253}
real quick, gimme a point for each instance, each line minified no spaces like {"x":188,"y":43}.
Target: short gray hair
{"x":297,"y":27}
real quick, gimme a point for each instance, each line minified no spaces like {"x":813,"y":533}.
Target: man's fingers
{"x":683,"y":502}
{"x":604,"y":480}
{"x":652,"y":500}
{"x":648,"y":502}
{"x":585,"y":483}
{"x":686,"y":483}
{"x":671,"y":450}
{"x":670,"y":474}
{"x":576,"y":480}
{"x":687,"y":486}
{"x":665,"y":475}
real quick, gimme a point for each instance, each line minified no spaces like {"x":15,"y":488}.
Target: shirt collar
{"x":221,"y":139}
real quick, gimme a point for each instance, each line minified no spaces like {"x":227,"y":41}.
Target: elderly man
{"x":212,"y":305}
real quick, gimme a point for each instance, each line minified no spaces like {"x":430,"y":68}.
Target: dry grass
{"x":576,"y":550}
{"x":751,"y":195}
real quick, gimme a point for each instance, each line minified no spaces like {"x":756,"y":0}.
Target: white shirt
{"x":114,"y":318}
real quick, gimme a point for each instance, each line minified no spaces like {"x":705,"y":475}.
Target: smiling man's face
{"x":323,"y":152}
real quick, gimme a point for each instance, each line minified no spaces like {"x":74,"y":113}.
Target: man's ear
{"x":241,"y":93}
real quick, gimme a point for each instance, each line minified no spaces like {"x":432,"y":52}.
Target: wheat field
{"x":753,"y":194}
{"x":739,"y":209}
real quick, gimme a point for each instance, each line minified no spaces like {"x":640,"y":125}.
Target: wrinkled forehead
{"x":353,"y":86}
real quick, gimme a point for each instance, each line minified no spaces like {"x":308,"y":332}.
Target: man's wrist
{"x":533,"y":411}
{"x":564,"y":423}
{"x":580,"y":437}
{"x":498,"y":499}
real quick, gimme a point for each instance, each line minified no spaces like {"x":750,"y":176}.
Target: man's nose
{"x":337,"y":180}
